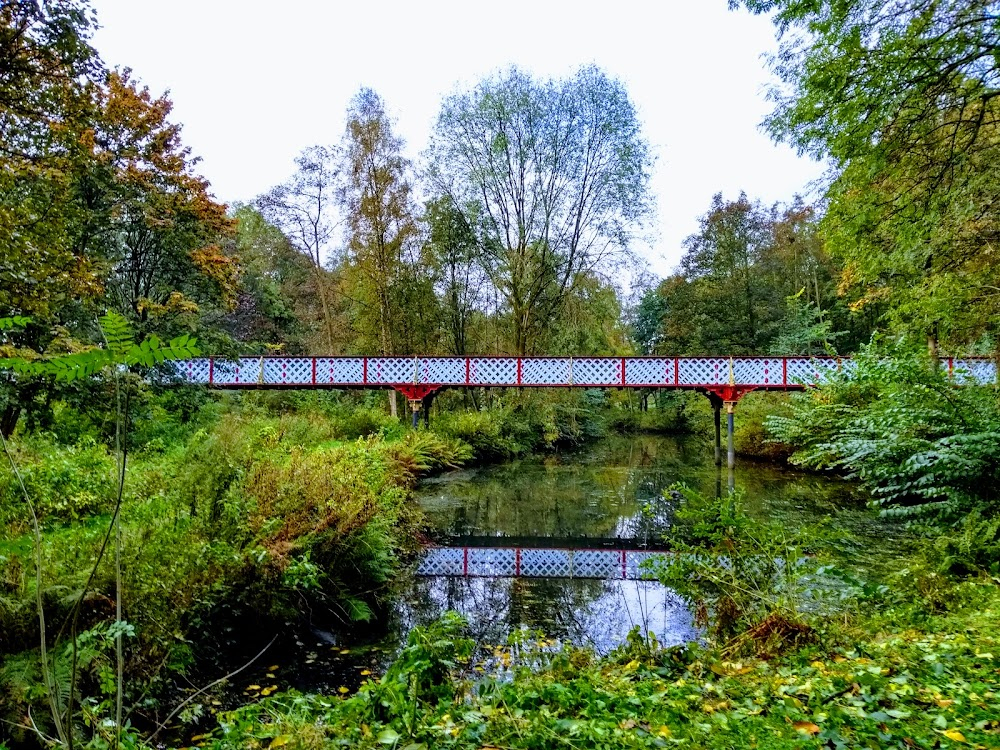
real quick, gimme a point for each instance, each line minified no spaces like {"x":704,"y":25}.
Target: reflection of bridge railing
{"x":513,"y":562}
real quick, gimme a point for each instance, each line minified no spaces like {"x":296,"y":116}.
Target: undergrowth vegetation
{"x":797,"y":653}
{"x":919,"y":438}
{"x":252,"y":510}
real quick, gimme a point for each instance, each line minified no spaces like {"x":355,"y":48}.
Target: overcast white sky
{"x":254,"y":82}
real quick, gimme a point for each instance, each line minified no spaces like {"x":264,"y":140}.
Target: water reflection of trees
{"x":614,"y":490}
{"x":598,"y":613}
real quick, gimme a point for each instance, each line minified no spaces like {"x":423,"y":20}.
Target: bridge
{"x":724,"y":380}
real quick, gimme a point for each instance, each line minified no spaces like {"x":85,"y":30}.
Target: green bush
{"x":919,"y":441}
{"x":65,"y":483}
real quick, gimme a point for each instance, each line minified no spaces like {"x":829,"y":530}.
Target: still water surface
{"x":610,"y":495}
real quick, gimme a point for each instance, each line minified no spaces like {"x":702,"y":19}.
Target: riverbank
{"x":242,"y":515}
{"x":902,"y":678}
{"x":896,"y":649}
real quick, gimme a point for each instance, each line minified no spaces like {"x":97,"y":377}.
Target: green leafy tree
{"x":903,"y":99}
{"x":382,"y":231}
{"x":559,"y":171}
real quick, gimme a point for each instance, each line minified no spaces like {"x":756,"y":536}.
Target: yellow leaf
{"x":281,"y":740}
{"x":806,"y":727}
{"x":817,"y":665}
{"x":342,"y":690}
{"x":365,"y":672}
{"x":272,"y":669}
{"x":945,"y":703}
{"x":954,"y":735}
{"x":253,"y":687}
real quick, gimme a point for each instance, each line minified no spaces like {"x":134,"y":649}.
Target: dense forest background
{"x":517,"y":231}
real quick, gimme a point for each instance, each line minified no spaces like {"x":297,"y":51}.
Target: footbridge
{"x":724,"y":380}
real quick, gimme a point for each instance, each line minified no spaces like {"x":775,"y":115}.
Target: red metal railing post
{"x":517,"y":561}
{"x":951,"y":368}
{"x":211,"y":370}
{"x":624,"y":569}
{"x":468,"y":369}
{"x":364,"y":370}
{"x":519,"y":371}
{"x":465,"y":561}
{"x":677,"y":370}
{"x":623,"y":370}
{"x":784,"y":371}
{"x":314,"y":370}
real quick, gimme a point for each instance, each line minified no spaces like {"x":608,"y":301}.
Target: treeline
{"x":753,"y":280}
{"x":515,"y":233}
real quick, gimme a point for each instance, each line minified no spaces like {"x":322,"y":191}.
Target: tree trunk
{"x":932,"y":347}
{"x":327,"y":320}
{"x":8,"y":419}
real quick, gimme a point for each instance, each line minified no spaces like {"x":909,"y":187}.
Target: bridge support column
{"x":417,"y":395}
{"x":717,"y":411}
{"x":731,"y":453}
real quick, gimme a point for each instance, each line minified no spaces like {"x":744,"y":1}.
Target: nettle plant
{"x":121,"y":360}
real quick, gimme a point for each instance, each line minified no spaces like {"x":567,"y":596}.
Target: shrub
{"x":67,"y":483}
{"x":919,"y":441}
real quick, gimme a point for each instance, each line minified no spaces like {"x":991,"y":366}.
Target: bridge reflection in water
{"x":536,"y":562}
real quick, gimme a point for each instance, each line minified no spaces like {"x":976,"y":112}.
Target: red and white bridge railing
{"x":516,"y":562}
{"x":417,"y":376}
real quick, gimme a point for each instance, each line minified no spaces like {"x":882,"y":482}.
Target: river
{"x":608,"y":497}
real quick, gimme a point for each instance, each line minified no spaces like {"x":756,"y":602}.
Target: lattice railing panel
{"x":539,"y":371}
{"x":592,"y":371}
{"x":193,"y":370}
{"x":487,"y":561}
{"x":649,"y":371}
{"x":597,"y":563}
{"x":503,"y":562}
{"x":392,"y":369}
{"x":545,"y":563}
{"x":974,"y":370}
{"x":241,"y":372}
{"x":442,"y":561}
{"x":703,"y":371}
{"x":493,"y":371}
{"x":809,"y":370}
{"x":756,"y":371}
{"x":340,"y":370}
{"x":654,"y":372}
{"x":288,"y":371}
{"x":443,"y":370}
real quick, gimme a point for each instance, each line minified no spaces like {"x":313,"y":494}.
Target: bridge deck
{"x":756,"y":373}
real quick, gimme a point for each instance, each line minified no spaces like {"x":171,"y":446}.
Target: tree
{"x":303,"y":209}
{"x":382,"y":231}
{"x":726,"y":254}
{"x":47,"y":75}
{"x":559,"y":171}
{"x":453,"y":251}
{"x":157,"y":223}
{"x":904,"y":98}
{"x":276,"y":302}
